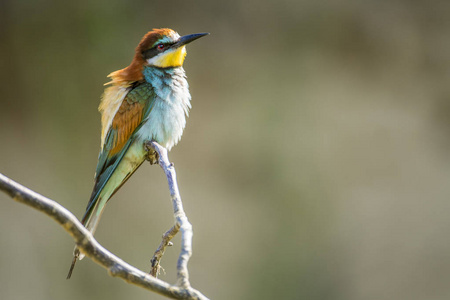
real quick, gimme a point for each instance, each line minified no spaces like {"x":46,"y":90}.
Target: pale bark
{"x":115,"y":266}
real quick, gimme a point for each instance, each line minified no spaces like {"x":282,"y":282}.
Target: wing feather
{"x":125,"y":122}
{"x":135,"y":107}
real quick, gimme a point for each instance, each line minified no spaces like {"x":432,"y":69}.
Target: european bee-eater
{"x":148,"y":100}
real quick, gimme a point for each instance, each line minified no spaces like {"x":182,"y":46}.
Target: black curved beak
{"x":186,"y":39}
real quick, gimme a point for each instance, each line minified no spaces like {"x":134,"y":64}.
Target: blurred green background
{"x":315,"y":163}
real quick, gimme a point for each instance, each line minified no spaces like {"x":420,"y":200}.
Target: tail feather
{"x":90,"y":221}
{"x":76,"y":254}
{"x":106,"y":189}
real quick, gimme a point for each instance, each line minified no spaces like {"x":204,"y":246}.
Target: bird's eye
{"x":160,"y":46}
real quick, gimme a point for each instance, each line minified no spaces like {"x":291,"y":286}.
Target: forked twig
{"x":92,"y":249}
{"x":166,"y":241}
{"x":181,"y":221}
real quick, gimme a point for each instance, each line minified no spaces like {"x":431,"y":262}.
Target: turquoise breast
{"x":167,"y":120}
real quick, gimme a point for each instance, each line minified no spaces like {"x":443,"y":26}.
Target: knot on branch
{"x":115,"y":270}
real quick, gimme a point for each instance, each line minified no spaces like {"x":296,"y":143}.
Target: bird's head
{"x":164,"y":48}
{"x":161,"y":48}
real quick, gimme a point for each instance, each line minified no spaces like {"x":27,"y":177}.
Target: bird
{"x":148,"y":100}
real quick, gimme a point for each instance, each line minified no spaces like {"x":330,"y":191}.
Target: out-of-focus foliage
{"x":315,"y":163}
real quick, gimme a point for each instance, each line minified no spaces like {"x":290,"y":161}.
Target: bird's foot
{"x":152,"y":157}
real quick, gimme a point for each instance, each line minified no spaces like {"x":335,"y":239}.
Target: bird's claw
{"x":152,"y":157}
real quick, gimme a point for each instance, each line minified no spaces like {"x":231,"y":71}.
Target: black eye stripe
{"x":149,"y":53}
{"x":166,"y":45}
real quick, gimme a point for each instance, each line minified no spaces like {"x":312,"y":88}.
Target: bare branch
{"x":181,"y":221}
{"x":156,"y":259}
{"x":91,"y":248}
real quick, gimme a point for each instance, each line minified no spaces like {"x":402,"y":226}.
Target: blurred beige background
{"x":315,"y":163}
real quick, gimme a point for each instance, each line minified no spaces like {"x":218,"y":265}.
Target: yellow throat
{"x":173,"y":58}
